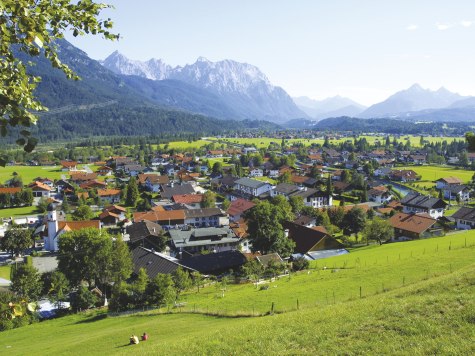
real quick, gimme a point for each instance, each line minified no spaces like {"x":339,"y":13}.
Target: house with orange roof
{"x":238,"y":207}
{"x":40,"y":190}
{"x":68,"y":166}
{"x":192,"y":200}
{"x":166,"y":218}
{"x":109,"y":195}
{"x":93,"y":184}
{"x":414,"y":226}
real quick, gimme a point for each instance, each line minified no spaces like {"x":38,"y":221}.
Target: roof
{"x":108,"y":192}
{"x":199,"y":213}
{"x":265,"y":259}
{"x":10,"y":190}
{"x":163,"y":216}
{"x":78,"y":225}
{"x":450,"y":180}
{"x":39,"y":186}
{"x":154,"y":262}
{"x":467,"y":214}
{"x":68,"y":164}
{"x":251,"y":183}
{"x":286,"y":188}
{"x":416,"y":223}
{"x":421,"y":201}
{"x":153,"y":178}
{"x":307,"y":239}
{"x":215,"y":262}
{"x":202,"y":237}
{"x":140,"y":230}
{"x":239,"y":206}
{"x":188,"y":198}
{"x":455,"y":188}
{"x":82,"y":176}
{"x":168,"y":191}
{"x":115,"y":208}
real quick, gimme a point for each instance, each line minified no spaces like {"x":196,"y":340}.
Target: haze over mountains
{"x":331,"y":107}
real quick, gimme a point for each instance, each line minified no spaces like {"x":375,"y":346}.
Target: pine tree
{"x":132,"y":193}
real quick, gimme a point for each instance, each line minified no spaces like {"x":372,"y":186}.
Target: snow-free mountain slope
{"x":412,"y":99}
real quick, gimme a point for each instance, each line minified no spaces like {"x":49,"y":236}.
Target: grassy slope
{"x":371,"y":268}
{"x":436,"y":315}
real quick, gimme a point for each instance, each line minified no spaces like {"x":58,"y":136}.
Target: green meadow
{"x":432,"y":173}
{"x":17,"y":212}
{"x":426,"y":306}
{"x":370,"y":270}
{"x":264,"y":142}
{"x":28,"y":173}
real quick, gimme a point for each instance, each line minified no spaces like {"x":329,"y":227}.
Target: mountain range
{"x":226,"y":89}
{"x":103,"y":103}
{"x":414,"y":103}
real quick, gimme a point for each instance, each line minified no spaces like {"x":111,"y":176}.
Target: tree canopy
{"x":32,"y":27}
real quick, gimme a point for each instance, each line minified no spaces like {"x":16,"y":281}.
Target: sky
{"x":362,"y":49}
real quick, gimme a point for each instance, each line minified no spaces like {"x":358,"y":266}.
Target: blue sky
{"x":362,"y":49}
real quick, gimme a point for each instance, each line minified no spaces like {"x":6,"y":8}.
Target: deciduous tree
{"x":16,"y":241}
{"x":32,"y":27}
{"x":379,"y":230}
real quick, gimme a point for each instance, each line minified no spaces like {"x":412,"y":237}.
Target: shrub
{"x":300,"y":264}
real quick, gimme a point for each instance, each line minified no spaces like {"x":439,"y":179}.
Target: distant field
{"x":185,"y":145}
{"x":433,"y":313}
{"x":432,"y":173}
{"x":28,"y":173}
{"x":263,"y":142}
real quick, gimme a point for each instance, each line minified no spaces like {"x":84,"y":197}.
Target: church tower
{"x":52,"y":220}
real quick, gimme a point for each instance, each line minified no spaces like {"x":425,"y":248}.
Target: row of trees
{"x":21,"y":198}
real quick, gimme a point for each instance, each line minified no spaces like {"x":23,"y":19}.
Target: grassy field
{"x":185,"y":145}
{"x":16,"y":212}
{"x":260,"y":142}
{"x":5,"y":272}
{"x":431,"y":315}
{"x":431,"y":173}
{"x":28,"y":173}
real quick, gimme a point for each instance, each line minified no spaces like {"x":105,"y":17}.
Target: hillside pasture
{"x":338,"y":279}
{"x":432,"y":315}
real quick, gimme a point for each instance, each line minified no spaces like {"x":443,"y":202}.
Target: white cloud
{"x":443,"y":26}
{"x":466,"y":23}
{"x":412,"y":27}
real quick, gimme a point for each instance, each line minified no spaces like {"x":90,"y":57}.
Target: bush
{"x":6,"y":324}
{"x":300,"y":264}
